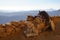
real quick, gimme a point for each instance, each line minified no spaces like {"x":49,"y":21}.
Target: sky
{"x":20,"y":5}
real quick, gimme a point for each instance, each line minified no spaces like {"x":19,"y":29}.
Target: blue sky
{"x":19,"y":5}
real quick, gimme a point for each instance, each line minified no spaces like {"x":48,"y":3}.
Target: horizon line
{"x":27,"y":10}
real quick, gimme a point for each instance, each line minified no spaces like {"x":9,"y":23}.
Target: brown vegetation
{"x":34,"y":25}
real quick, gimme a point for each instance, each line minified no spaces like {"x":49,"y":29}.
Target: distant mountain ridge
{"x":54,"y":13}
{"x":12,"y":16}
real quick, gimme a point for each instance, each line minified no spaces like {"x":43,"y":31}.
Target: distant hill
{"x":12,"y":16}
{"x":54,"y":13}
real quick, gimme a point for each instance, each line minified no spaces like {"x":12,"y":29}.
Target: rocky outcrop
{"x":33,"y":25}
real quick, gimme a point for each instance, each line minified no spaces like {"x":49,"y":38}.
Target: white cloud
{"x":29,"y":7}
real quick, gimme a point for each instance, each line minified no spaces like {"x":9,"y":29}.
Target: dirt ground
{"x":47,"y":35}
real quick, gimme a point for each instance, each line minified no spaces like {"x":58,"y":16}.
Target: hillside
{"x":47,"y":35}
